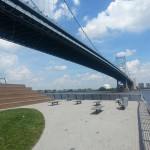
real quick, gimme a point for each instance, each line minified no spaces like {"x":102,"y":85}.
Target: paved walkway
{"x":75,"y":127}
{"x":145,"y":126}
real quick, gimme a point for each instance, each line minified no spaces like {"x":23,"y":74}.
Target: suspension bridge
{"x":38,"y":25}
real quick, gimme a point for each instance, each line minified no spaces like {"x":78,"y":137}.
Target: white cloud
{"x":126,"y":53}
{"x":76,"y":2}
{"x":139,"y":70}
{"x":88,"y":76}
{"x":97,"y":41}
{"x":62,"y":11}
{"x":133,"y":66}
{"x":86,"y":18}
{"x":6,"y":46}
{"x":91,"y":80}
{"x":19,"y":73}
{"x":56,"y":67}
{"x":121,"y":15}
{"x":60,"y":67}
{"x":85,"y":80}
{"x":12,"y":69}
{"x":7,"y":61}
{"x":10,"y":66}
{"x":56,"y":10}
{"x":62,"y":79}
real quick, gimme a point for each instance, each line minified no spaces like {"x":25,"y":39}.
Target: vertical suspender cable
{"x":80,"y":26}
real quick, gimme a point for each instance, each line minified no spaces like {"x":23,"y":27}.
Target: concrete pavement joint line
{"x":111,"y":129}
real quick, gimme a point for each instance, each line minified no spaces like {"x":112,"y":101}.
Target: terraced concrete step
{"x":14,"y":89}
{"x":16,"y":95}
{"x":17,"y":92}
{"x":25,"y":98}
{"x":12,"y":85}
{"x":13,"y":95}
{"x":22,"y":103}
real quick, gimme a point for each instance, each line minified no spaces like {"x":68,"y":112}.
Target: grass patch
{"x":20,"y":129}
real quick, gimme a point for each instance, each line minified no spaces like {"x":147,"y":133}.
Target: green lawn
{"x":20,"y":129}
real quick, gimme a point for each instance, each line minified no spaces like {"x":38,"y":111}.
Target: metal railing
{"x":95,"y":96}
{"x":4,"y":81}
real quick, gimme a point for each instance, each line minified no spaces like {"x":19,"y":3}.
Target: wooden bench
{"x":97,"y":108}
{"x":97,"y":102}
{"x":54,"y":102}
{"x":78,"y":101}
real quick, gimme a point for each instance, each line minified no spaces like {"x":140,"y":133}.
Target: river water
{"x":145,"y":93}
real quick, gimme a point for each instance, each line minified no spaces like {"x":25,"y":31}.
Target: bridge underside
{"x":20,"y":28}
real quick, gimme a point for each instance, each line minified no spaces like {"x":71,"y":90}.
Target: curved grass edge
{"x":20,"y":128}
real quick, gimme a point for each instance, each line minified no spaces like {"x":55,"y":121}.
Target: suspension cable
{"x":80,"y":26}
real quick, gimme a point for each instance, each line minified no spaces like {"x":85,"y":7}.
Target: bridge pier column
{"x":117,"y":85}
{"x":122,"y":86}
{"x":126,"y":86}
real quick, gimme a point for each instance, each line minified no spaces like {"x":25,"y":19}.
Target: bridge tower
{"x":134,"y":84}
{"x":121,"y":64}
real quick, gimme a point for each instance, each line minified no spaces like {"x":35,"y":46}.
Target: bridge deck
{"x":70,"y":126}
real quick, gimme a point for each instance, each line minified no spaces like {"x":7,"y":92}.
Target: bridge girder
{"x":41,"y":34}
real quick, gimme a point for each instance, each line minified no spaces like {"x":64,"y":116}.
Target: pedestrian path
{"x":75,"y":127}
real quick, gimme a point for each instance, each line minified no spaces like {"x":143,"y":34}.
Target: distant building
{"x":148,"y":85}
{"x":141,"y":85}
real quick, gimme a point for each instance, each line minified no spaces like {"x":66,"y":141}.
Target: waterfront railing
{"x":95,"y":96}
{"x":3,"y":81}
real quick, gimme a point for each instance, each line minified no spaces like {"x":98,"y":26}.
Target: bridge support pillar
{"x":126,"y":88}
{"x":122,"y":86}
{"x":134,"y":87}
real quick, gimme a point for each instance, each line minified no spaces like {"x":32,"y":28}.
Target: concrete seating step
{"x":7,"y":100}
{"x":14,"y":89}
{"x":18,"y":92}
{"x":12,"y":85}
{"x":13,"y":95}
{"x":16,"y":95}
{"x":22,"y":103}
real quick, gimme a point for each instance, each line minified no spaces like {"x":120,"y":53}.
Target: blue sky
{"x":117,"y":28}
